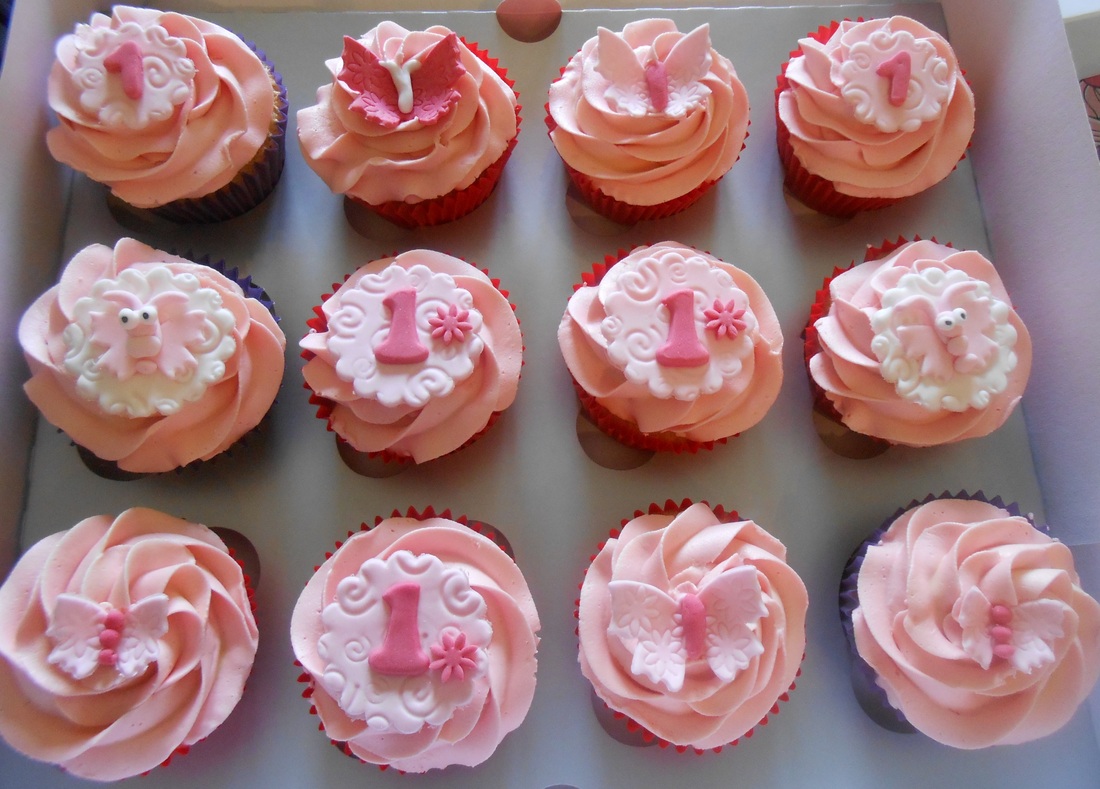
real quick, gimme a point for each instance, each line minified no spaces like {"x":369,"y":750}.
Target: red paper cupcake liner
{"x":632,"y":726}
{"x":458,"y":202}
{"x":325,"y":406}
{"x":253,"y":183}
{"x":622,"y":430}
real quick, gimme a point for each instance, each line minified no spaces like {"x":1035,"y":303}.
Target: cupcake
{"x":647,"y":120}
{"x":417,"y":638}
{"x":148,"y":361}
{"x":692,"y":624}
{"x":126,"y":640}
{"x":869,"y":113}
{"x":1090,"y":92}
{"x":919,"y":345}
{"x":971,"y":622}
{"x":416,"y":126}
{"x":174,"y":114}
{"x":671,"y":348}
{"x":413,"y":356}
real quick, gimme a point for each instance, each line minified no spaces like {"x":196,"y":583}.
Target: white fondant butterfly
{"x":664,"y":631}
{"x":87,"y":634}
{"x":640,"y":83}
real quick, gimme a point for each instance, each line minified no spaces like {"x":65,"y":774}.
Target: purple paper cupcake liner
{"x":871,"y":696}
{"x":253,"y":183}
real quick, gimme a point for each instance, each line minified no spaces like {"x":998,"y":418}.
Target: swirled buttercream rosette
{"x":968,"y":622}
{"x":869,"y":113}
{"x":918,"y":345}
{"x":647,"y":120}
{"x":126,"y":640}
{"x":176,"y":115}
{"x":671,"y":349}
{"x":691,"y":625}
{"x":412,"y":357}
{"x":417,"y":641}
{"x":149,"y":361}
{"x":416,"y":126}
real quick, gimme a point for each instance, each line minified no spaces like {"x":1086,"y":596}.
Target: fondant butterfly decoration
{"x":641,"y":82}
{"x":665,"y":631}
{"x":144,"y":337}
{"x":949,"y":333}
{"x":87,"y":635}
{"x":390,"y":92}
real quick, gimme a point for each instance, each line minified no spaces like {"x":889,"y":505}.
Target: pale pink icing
{"x":445,"y":421}
{"x":852,"y":377}
{"x":893,"y":160}
{"x":161,"y":441}
{"x":651,"y":156}
{"x":929,"y":593}
{"x":688,"y":550}
{"x":105,"y":726}
{"x":502,"y":693}
{"x":415,"y":160}
{"x":212,"y":130}
{"x":727,"y":394}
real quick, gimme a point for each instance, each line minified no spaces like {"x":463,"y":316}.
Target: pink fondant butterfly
{"x":87,"y":635}
{"x":664,"y":631}
{"x":948,"y":334}
{"x":390,"y":92}
{"x":642,"y":82}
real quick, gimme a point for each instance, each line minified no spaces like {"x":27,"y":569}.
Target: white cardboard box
{"x":1037,"y":182}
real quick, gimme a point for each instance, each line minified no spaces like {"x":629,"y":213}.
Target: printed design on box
{"x":131,"y":76}
{"x":894,"y":81}
{"x":640,"y":81}
{"x":664,"y":631}
{"x":676,"y":323}
{"x":390,"y":91}
{"x":404,"y":336}
{"x":943,"y":339}
{"x":404,"y":643}
{"x":148,"y":341}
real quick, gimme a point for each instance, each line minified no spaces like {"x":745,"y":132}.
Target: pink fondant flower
{"x":725,"y":320}
{"x":450,"y":325}
{"x":453,"y":657}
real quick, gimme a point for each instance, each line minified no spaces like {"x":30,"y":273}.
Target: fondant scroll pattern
{"x":643,"y":81}
{"x":943,"y":339}
{"x":668,"y":299}
{"x":363,"y":665}
{"x":131,"y":76}
{"x":363,"y":323}
{"x":894,"y":81}
{"x":148,"y":342}
{"x":664,"y":630}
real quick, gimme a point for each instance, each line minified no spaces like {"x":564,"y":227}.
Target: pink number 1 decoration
{"x":683,"y":348}
{"x":898,"y":70}
{"x":400,"y":653}
{"x":402,"y":345}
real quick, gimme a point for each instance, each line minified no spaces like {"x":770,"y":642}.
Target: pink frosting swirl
{"x":605,"y":353}
{"x":200,"y":113}
{"x":916,"y":385}
{"x":106,"y":726}
{"x":844,"y":127}
{"x":500,"y":691}
{"x":685,"y":551}
{"x":218,"y":368}
{"x":976,"y":624}
{"x":372,"y":415}
{"x":607,"y":130}
{"x":416,"y":160}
